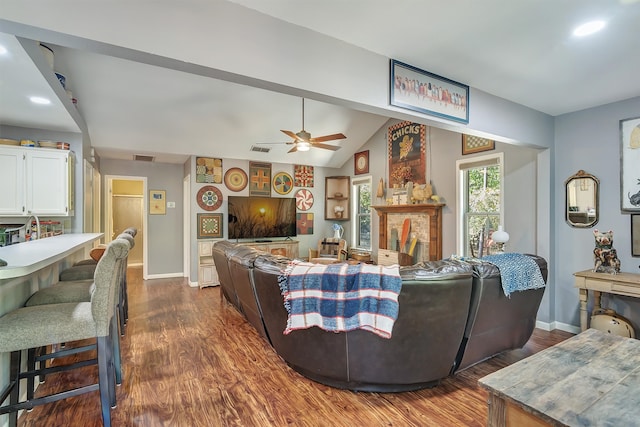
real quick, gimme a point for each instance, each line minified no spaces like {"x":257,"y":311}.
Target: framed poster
{"x":629,"y":161}
{"x":208,"y":170}
{"x":209,"y":226}
{"x":475,"y":144}
{"x":425,"y":92}
{"x":157,"y":202}
{"x":259,"y":179}
{"x":407,"y":153}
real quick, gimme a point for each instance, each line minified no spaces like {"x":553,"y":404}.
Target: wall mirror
{"x":582,"y":200}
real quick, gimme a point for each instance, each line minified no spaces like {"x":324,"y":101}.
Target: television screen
{"x":261,"y":217}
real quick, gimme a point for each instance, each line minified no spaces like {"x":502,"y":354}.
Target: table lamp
{"x":500,"y":237}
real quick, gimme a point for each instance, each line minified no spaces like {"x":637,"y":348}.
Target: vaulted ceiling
{"x":522,"y":51}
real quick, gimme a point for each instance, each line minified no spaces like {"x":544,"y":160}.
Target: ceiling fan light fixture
{"x":303,"y":146}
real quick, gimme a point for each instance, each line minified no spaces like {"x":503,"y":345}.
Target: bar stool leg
{"x":107,"y":395}
{"x":117,"y":357}
{"x":15,"y":391}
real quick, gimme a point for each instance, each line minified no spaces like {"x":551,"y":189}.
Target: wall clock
{"x":361,"y":162}
{"x":282,"y":183}
{"x":209,"y":198}
{"x":304,"y":199}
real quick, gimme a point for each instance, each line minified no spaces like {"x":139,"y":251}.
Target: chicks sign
{"x":407,"y":153}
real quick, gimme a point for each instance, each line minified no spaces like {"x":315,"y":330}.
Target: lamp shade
{"x":500,"y":236}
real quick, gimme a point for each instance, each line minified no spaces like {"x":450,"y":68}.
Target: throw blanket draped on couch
{"x":341,"y":297}
{"x":518,"y":272}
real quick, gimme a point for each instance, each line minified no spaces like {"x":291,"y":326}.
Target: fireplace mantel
{"x":432,"y":210}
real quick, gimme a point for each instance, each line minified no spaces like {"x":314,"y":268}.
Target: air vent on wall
{"x":260,"y":149}
{"x":143,"y":158}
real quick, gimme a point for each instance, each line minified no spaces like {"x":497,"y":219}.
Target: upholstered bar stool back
{"x":37,"y":326}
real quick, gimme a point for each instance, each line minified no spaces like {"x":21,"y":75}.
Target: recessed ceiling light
{"x":3,"y":50}
{"x":588,"y":28}
{"x":40,"y":100}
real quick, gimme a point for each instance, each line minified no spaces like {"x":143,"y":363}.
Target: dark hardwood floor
{"x":190,"y":360}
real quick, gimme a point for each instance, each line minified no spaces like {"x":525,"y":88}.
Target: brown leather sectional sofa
{"x":452,"y":315}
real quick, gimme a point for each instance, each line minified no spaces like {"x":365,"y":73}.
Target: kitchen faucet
{"x":28,"y":226}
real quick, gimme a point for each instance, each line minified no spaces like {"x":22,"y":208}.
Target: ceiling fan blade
{"x":276,"y":143}
{"x":327,"y":138}
{"x":325,"y":146}
{"x":291,"y":134}
{"x":293,"y":150}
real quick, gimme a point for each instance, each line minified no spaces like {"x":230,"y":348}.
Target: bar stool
{"x":85,"y":272}
{"x":38,"y":326}
{"x":81,"y":291}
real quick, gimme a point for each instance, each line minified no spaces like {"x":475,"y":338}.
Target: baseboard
{"x":557,"y":325}
{"x":164,"y":276}
{"x":192,"y":284}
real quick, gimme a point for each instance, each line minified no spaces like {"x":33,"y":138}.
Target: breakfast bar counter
{"x":28,"y":257}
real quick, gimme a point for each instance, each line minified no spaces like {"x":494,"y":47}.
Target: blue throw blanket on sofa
{"x":518,"y":272}
{"x":341,"y":297}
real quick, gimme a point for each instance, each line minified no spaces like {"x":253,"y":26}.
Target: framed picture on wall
{"x":475,"y":144}
{"x":629,"y":161}
{"x":635,"y":235}
{"x":361,"y":162}
{"x":210,"y":226}
{"x":425,"y":92}
{"x":157,"y":202}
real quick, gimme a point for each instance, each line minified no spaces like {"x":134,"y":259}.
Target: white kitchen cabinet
{"x":12,"y":181}
{"x":36,"y":181}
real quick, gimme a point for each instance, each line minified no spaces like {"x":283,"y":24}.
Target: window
{"x":361,"y":236}
{"x":480,"y":201}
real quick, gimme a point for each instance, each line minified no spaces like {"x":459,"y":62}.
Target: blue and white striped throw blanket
{"x":518,"y":272}
{"x":341,"y":297}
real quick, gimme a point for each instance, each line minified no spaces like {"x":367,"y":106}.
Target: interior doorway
{"x":126,"y":207}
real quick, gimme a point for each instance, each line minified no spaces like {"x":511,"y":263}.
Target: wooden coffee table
{"x":591,"y":379}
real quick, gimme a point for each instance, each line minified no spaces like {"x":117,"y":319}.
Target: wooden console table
{"x":590,"y":379}
{"x":627,"y":284}
{"x":433,"y":211}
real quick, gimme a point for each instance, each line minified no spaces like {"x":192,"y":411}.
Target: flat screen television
{"x":261,"y":217}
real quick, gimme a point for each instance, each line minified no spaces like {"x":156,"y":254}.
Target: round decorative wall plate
{"x":304,"y":199}
{"x":235,"y":179}
{"x":209,"y":198}
{"x":282,"y":183}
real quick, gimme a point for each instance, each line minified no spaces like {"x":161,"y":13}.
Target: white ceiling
{"x":521,"y":50}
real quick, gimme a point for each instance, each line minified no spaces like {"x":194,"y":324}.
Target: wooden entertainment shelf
{"x":429,"y":225}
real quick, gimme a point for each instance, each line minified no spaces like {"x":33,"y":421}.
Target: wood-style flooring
{"x":191,"y":360}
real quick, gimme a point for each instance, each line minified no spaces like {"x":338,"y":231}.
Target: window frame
{"x":494,"y":159}
{"x":356,"y":182}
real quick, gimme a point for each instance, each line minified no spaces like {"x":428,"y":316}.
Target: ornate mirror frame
{"x":582,"y":200}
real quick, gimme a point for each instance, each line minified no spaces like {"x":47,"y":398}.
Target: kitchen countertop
{"x":27,"y":257}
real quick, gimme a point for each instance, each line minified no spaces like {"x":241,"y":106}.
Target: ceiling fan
{"x":303,"y":141}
